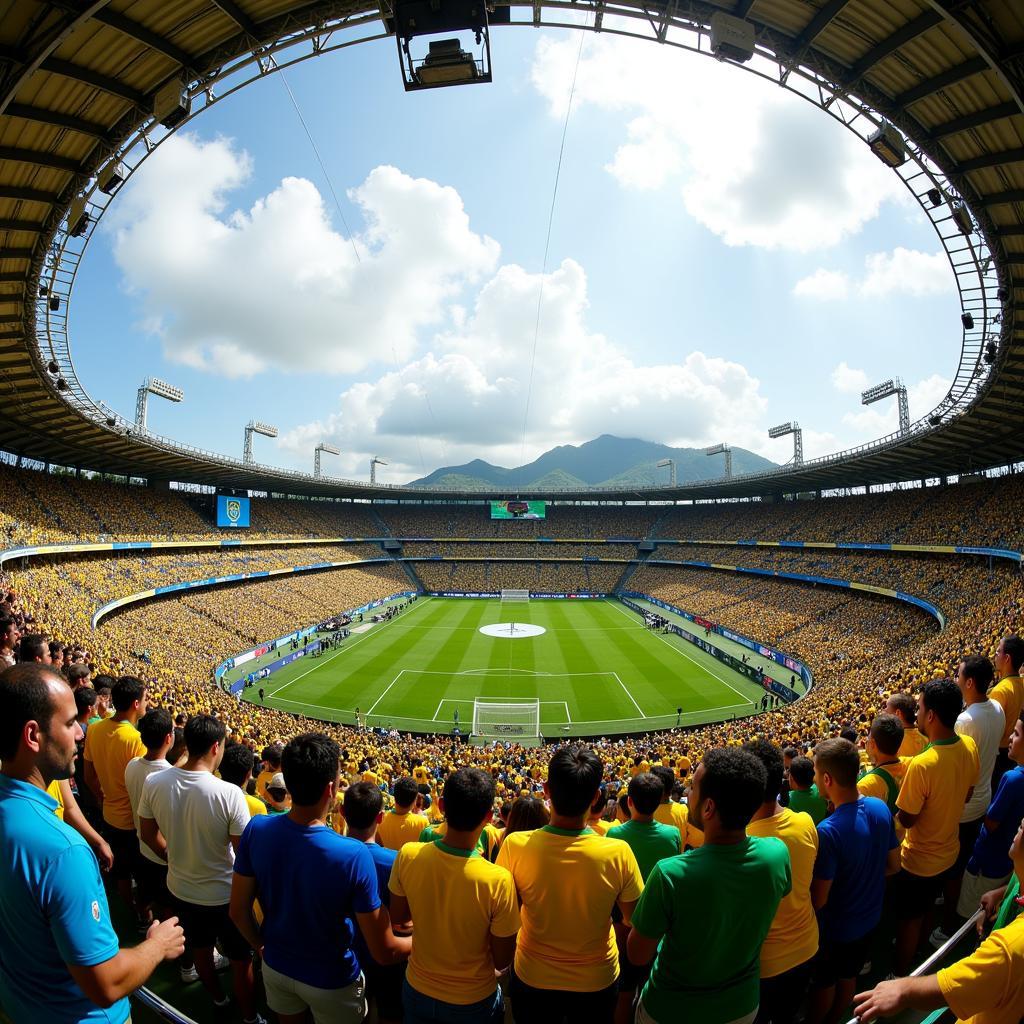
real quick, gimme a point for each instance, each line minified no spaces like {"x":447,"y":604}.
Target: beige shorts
{"x":327,"y":1005}
{"x":973,"y":888}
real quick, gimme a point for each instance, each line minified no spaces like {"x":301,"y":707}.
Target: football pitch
{"x":594,"y":666}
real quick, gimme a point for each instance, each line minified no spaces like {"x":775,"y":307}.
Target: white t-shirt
{"x":197,"y":814}
{"x":136,"y":771}
{"x":984,"y":723}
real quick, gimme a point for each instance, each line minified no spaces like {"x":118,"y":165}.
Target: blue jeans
{"x":421,"y":1009}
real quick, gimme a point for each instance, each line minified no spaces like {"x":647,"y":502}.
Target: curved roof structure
{"x":78,"y":79}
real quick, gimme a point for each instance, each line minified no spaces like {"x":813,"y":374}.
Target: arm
{"x":626,"y":907}
{"x":908,"y":820}
{"x":503,"y":949}
{"x":640,"y":949}
{"x":74,"y":817}
{"x":401,"y":916}
{"x":820,"y":888}
{"x":892,"y":863}
{"x":92,"y":780}
{"x":153,"y":837}
{"x":889,"y":997}
{"x":385,"y":947}
{"x":243,"y":895}
{"x":970,"y":793}
{"x":115,"y":978}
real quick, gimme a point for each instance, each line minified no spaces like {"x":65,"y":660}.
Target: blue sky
{"x":723,"y":257}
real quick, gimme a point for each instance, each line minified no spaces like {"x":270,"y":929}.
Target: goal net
{"x":514,"y":596}
{"x":492,"y":720}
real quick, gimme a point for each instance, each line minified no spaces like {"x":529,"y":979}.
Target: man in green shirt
{"x":649,"y":840}
{"x":803,"y":793}
{"x":707,"y":912}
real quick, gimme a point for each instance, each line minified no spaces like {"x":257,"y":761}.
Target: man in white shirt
{"x":194,"y":820}
{"x":982,"y":719}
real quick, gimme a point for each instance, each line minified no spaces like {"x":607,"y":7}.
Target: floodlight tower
{"x":722,"y":449}
{"x":323,"y":446}
{"x":887,"y":389}
{"x":255,"y":427}
{"x":798,"y":439}
{"x":374,"y":463}
{"x":671,"y":463}
{"x":153,"y":386}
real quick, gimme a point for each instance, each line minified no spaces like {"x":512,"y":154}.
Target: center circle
{"x":512,"y":630}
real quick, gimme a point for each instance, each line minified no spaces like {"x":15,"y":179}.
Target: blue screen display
{"x":232,"y":512}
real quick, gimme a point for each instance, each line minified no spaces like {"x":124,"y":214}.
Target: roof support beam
{"x":58,"y":120}
{"x":28,"y":195}
{"x":40,"y":158}
{"x":974,"y":66}
{"x":12,"y":224}
{"x":141,"y":34}
{"x":241,"y":19}
{"x":16,"y":254}
{"x":741,"y":10}
{"x":821,"y":20}
{"x":995,"y":159}
{"x":104,"y":82}
{"x":975,"y":120}
{"x":911,"y":30}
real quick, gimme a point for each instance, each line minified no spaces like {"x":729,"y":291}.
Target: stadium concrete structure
{"x":84,"y":86}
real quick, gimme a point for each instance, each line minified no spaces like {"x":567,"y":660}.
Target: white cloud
{"x":276,"y":286}
{"x":849,"y":380}
{"x":900,"y":272}
{"x":755,"y":165}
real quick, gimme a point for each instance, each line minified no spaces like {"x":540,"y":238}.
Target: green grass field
{"x":595,"y":669}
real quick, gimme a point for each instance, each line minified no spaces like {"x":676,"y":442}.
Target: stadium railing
{"x":163,"y":1010}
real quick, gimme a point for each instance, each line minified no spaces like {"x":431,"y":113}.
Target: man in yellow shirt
{"x":939,"y":781}
{"x":792,"y":939}
{"x":669,"y":813}
{"x":568,"y":880}
{"x":904,"y":707}
{"x":1008,"y":693}
{"x":420,"y":774}
{"x":885,"y":776}
{"x":109,"y":746}
{"x":464,"y":909}
{"x":271,"y":765}
{"x":403,"y":824}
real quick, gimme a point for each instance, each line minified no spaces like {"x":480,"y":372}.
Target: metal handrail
{"x":160,"y":1007}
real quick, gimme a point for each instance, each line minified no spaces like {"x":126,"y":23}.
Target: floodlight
{"x":888,"y":145}
{"x":446,"y":62}
{"x":374,"y":463}
{"x":888,"y":388}
{"x":732,"y":38}
{"x":110,"y":176}
{"x":171,"y":104}
{"x":722,"y":449}
{"x":159,"y":388}
{"x":962,"y":218}
{"x":78,"y":219}
{"x":162,"y":389}
{"x":323,"y":446}
{"x":255,"y":427}
{"x":798,"y":439}
{"x":671,"y":464}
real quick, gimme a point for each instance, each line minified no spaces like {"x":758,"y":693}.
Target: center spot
{"x":512,"y":630}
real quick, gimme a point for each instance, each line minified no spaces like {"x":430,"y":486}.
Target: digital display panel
{"x":516,"y":509}
{"x":232,"y":512}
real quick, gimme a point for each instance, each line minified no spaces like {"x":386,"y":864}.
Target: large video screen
{"x":232,"y":512}
{"x":518,"y":509}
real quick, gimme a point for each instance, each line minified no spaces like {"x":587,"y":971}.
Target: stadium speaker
{"x":1002,"y":294}
{"x":62,"y":384}
{"x":54,"y":303}
{"x":934,"y":196}
{"x":52,"y":368}
{"x":43,"y":291}
{"x":934,"y":421}
{"x":110,"y":421}
{"x":990,"y":352}
{"x":968,"y":321}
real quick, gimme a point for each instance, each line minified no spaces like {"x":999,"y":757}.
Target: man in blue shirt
{"x":310,"y":883}
{"x":857,"y":848}
{"x":59,"y":956}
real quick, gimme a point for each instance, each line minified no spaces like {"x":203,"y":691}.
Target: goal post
{"x":493,"y":720}
{"x":515,"y":597}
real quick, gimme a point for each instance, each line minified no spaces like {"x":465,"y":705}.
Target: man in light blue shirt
{"x":59,"y":955}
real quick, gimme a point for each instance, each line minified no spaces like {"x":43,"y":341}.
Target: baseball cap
{"x":277,"y":782}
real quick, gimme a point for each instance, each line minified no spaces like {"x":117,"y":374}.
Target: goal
{"x":515,"y":596}
{"x":495,"y":721}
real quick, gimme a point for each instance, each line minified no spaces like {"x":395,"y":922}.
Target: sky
{"x":722,"y":257}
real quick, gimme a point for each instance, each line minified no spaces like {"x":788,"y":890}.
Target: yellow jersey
{"x":987,"y":987}
{"x":54,"y":790}
{"x":110,"y":745}
{"x":679,"y":815}
{"x":399,"y":828}
{"x":914,"y":741}
{"x":1008,"y":693}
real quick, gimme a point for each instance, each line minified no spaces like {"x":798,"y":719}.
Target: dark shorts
{"x":124,"y":844}
{"x":384,"y":987}
{"x":836,"y":961}
{"x":152,"y":880}
{"x":206,"y":927}
{"x":553,"y":1006}
{"x":969,"y":832}
{"x":914,"y":896}
{"x":632,"y":977}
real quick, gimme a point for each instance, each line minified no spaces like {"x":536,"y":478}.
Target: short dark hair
{"x":469,"y":799}
{"x":237,"y":763}
{"x":790,"y":752}
{"x":906,"y":706}
{"x":980,"y":671}
{"x":734,"y":780}
{"x":771,"y":757}
{"x":309,"y":762}
{"x":154,"y":726}
{"x":201,"y":732}
{"x":801,"y":770}
{"x":178,"y":745}
{"x":574,"y":775}
{"x":525,"y":814}
{"x":24,"y":697}
{"x":1013,"y":648}
{"x":666,"y":777}
{"x":77,"y":672}
{"x":887,"y":732}
{"x":840,"y":759}
{"x":103,"y":681}
{"x":272,"y":754}
{"x":126,"y":691}
{"x":646,"y":791}
{"x":943,"y":697}
{"x":85,"y":699}
{"x":405,"y":792}
{"x":849,"y":733}
{"x":32,"y":646}
{"x":363,"y":801}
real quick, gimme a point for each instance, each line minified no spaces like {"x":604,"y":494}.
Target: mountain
{"x":605,"y":461}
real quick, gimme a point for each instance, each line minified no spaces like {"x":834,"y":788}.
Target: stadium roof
{"x":78,"y":80}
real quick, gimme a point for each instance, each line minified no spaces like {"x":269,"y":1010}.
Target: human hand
{"x":884,"y":999}
{"x":104,"y":854}
{"x":170,"y":937}
{"x":990,"y":903}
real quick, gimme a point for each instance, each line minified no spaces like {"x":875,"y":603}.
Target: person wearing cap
{"x":278,"y":800}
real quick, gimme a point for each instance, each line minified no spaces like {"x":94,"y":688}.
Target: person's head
{"x":468,"y":799}
{"x":836,"y":765}
{"x":310,"y":766}
{"x":56,"y":654}
{"x":78,"y":675}
{"x":157,"y":730}
{"x":271,"y":757}
{"x":178,"y":749}
{"x":405,"y":793}
{"x":974,"y":675}
{"x":599,"y":804}
{"x":129,"y":697}
{"x":277,"y":792}
{"x":904,"y":707}
{"x":801,"y":772}
{"x":34,"y":648}
{"x":771,"y":757}
{"x":38,"y":723}
{"x":939,"y":705}
{"x":8,"y":633}
{"x":728,"y":787}
{"x":363,"y":805}
{"x":849,"y":733}
{"x":646,"y":791}
{"x":103,"y":686}
{"x":1009,"y":656}
{"x":667,"y":778}
{"x":884,"y":738}
{"x":1016,"y":748}
{"x":788,"y":753}
{"x":204,"y":739}
{"x":236,"y":765}
{"x":526,"y":814}
{"x":622,"y":811}
{"x":85,"y":702}
{"x":574,"y":778}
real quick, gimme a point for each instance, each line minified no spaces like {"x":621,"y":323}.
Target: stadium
{"x":426,"y":629}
